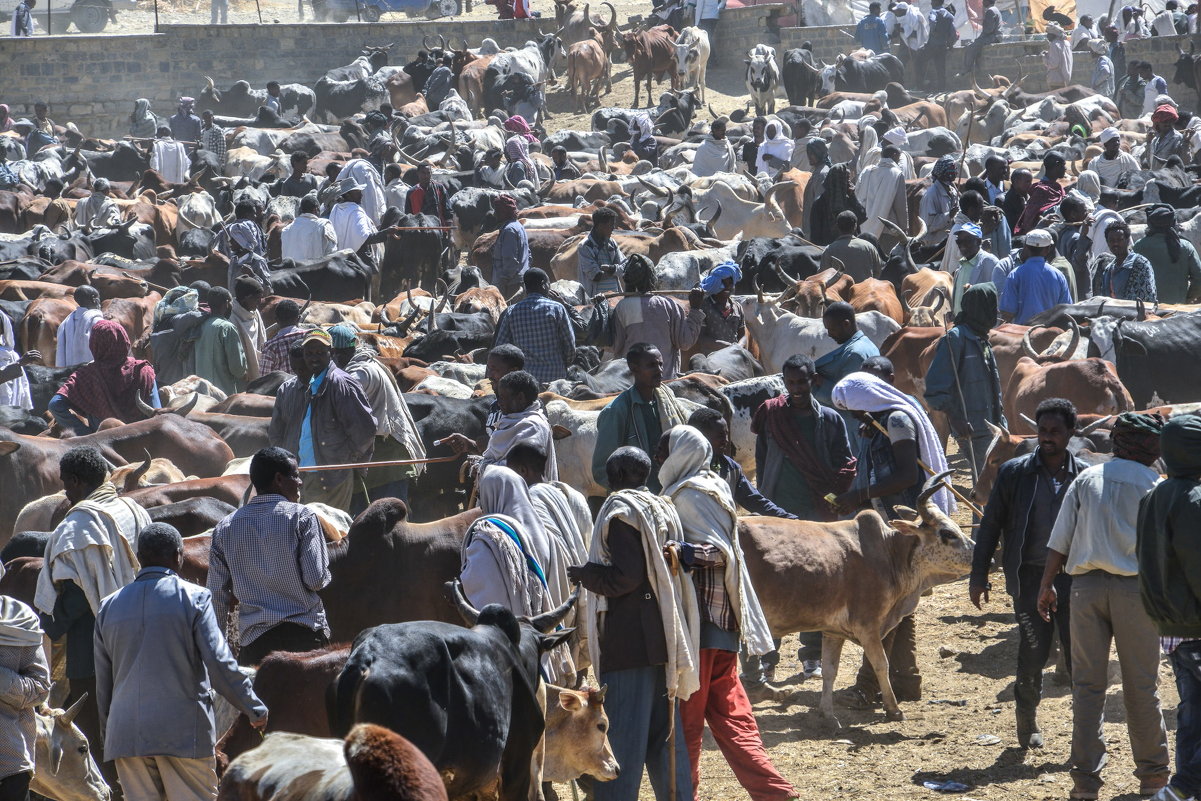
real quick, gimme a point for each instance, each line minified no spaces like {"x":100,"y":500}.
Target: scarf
{"x":776,"y":419}
{"x":713,"y":155}
{"x":107,"y":387}
{"x":709,"y":516}
{"x":1161,"y":220}
{"x":945,"y":169}
{"x":776,"y":144}
{"x":978,"y":309}
{"x":387,"y":404}
{"x":503,"y":492}
{"x":657,"y":521}
{"x":568,"y":523}
{"x":248,"y":235}
{"x":714,"y":282}
{"x":517,"y":125}
{"x":14,"y":392}
{"x":253,"y":334}
{"x":142,"y":122}
{"x":1089,"y":185}
{"x":522,"y":588}
{"x":1136,"y":437}
{"x":373,"y":193}
{"x":20,"y":626}
{"x":530,"y":426}
{"x":864,"y":392}
{"x":818,"y":152}
{"x":92,"y":548}
{"x":518,"y":150}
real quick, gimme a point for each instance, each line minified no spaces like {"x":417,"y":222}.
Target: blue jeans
{"x":219,"y":7}
{"x":638,"y":733}
{"x":1186,"y":664}
{"x":60,"y":409}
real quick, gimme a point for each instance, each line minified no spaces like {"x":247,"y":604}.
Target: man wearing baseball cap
{"x":1035,"y":285}
{"x":975,"y":263}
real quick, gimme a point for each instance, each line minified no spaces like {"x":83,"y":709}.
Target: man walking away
{"x":270,"y":557}
{"x":1035,"y":285}
{"x":1169,"y":565}
{"x":308,"y":237}
{"x":23,"y":18}
{"x":511,"y":250}
{"x":655,"y":319}
{"x":542,"y":325}
{"x":26,"y":678}
{"x":160,"y":653}
{"x":74,"y":335}
{"x":1020,"y":514}
{"x":1094,"y":542}
{"x":219,"y":354}
{"x":860,"y":258}
{"x":642,"y":627}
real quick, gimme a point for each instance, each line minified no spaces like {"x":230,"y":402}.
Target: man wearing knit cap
{"x":1114,"y":163}
{"x":1094,"y":542}
{"x":511,"y":251}
{"x":1173,"y":258}
{"x":1169,"y":566}
{"x":1165,"y":141}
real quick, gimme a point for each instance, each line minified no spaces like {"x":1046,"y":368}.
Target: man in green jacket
{"x":219,"y":354}
{"x":1169,"y":572}
{"x":638,"y":416}
{"x":1173,"y":258}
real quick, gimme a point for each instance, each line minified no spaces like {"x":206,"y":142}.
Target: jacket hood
{"x":1180,"y":446}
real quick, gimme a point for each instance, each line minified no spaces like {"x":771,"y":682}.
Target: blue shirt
{"x":871,"y":34}
{"x":308,"y":456}
{"x":542,"y":329}
{"x":510,"y":253}
{"x":1032,"y":288}
{"x":841,"y":362}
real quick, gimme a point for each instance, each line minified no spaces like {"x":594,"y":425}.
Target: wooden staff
{"x":926,"y":467}
{"x":684,"y":292}
{"x":392,"y":463}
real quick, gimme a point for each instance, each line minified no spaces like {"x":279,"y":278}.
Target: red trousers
{"x":722,"y":703}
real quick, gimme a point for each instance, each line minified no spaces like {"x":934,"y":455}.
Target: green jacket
{"x":1169,"y":534}
{"x":1175,"y":282}
{"x":976,"y":397}
{"x":623,"y":422}
{"x":219,"y":355}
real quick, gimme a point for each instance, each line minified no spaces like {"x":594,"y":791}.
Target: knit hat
{"x":1110,"y":133}
{"x":342,"y":336}
{"x":317,"y":335}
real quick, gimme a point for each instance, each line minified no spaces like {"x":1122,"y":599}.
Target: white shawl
{"x":373,"y":196}
{"x":170,"y":158}
{"x":780,"y":146}
{"x":16,"y":391}
{"x":530,"y":426}
{"x":713,"y":156}
{"x":657,"y":522}
{"x":709,"y":517}
{"x":253,"y":335}
{"x":392,"y":414}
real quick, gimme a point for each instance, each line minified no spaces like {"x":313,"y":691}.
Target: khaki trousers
{"x":1105,"y":608}
{"x":167,"y":777}
{"x":311,"y":491}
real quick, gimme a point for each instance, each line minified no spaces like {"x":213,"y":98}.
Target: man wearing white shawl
{"x":14,"y":385}
{"x":169,"y":158}
{"x":730,"y":614}
{"x":522,"y":419}
{"x":715,"y":153}
{"x":775,"y":153}
{"x":881,"y":190}
{"x":89,"y":555}
{"x":641,"y":626}
{"x":373,"y":187}
{"x":23,"y":664}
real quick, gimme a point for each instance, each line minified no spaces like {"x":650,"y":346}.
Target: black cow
{"x":1188,"y":68}
{"x":25,"y":543}
{"x":350,"y":135}
{"x":1149,"y":355}
{"x":192,"y":516}
{"x":268,"y":384}
{"x":515,"y":92}
{"x":22,"y":269}
{"x":48,"y":247}
{"x":335,"y":277}
{"x":194,"y":243}
{"x":872,"y":75}
{"x":676,"y":118}
{"x":586,"y":141}
{"x":22,"y":421}
{"x":452,"y":334}
{"x":762,"y":255}
{"x":338,"y":100}
{"x":437,"y":492}
{"x":125,"y":162}
{"x":466,"y":697}
{"x":802,"y":79}
{"x":733,"y":363}
{"x":473,"y":215}
{"x":373,"y":59}
{"x":240,"y":100}
{"x":413,"y":255}
{"x":44,"y":382}
{"x":131,"y":239}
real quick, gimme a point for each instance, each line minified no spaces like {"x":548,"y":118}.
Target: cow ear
{"x":56,"y":753}
{"x":548,"y":641}
{"x":570,"y":701}
{"x":913,"y":527}
{"x":9,"y":447}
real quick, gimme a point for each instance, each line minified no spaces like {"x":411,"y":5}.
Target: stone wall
{"x":93,"y":80}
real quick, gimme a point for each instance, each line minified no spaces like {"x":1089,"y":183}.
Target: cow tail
{"x":342,"y":699}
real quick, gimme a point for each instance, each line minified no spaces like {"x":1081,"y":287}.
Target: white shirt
{"x":881,"y":190}
{"x":308,"y":237}
{"x":351,"y":224}
{"x":1155,"y":87}
{"x":1080,"y":33}
{"x":16,"y":391}
{"x":73,"y":337}
{"x":170,"y":159}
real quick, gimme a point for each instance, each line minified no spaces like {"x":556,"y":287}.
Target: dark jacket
{"x":979,"y":381}
{"x":632,"y":636}
{"x":73,"y":617}
{"x":745,"y":493}
{"x":1005,"y":517}
{"x":432,"y":202}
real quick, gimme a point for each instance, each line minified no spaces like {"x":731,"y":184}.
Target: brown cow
{"x":872,"y":294}
{"x":852,"y":579}
{"x":577,"y":736}
{"x":470,"y":70}
{"x":587,"y":68}
{"x":246,"y":403}
{"x":16,"y":289}
{"x":651,"y":54}
{"x":38,"y":329}
{"x":1091,"y":384}
{"x":587,"y":188}
{"x":809,"y":296}
{"x":481,"y":299}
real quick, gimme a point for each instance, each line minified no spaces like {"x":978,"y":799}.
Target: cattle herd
{"x":429,"y":311}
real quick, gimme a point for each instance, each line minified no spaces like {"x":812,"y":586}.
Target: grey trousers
{"x":167,"y":777}
{"x":1105,"y":608}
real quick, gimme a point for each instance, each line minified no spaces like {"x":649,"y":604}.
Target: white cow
{"x":781,"y":334}
{"x":762,"y":78}
{"x":65,"y":769}
{"x":692,"y":59}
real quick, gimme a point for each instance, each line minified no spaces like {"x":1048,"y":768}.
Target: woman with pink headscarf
{"x":517,"y":150}
{"x":110,"y":386}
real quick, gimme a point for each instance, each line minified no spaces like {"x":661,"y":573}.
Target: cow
{"x":852,"y":579}
{"x":1148,"y":356}
{"x":337,"y":100}
{"x":577,"y":736}
{"x":1091,"y":384}
{"x":1188,"y":69}
{"x":333,"y":277}
{"x":762,"y":78}
{"x":801,"y":78}
{"x":466,"y":697}
{"x":587,"y":67}
{"x":692,"y":60}
{"x":372,"y":764}
{"x":65,"y":768}
{"x":651,"y":53}
{"x":873,"y":294}
{"x":855,"y":75}
{"x":731,"y":362}
{"x":780,"y":334}
{"x":240,"y":100}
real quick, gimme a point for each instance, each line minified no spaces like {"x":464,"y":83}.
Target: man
{"x":308,"y":237}
{"x":638,"y":416}
{"x":1169,"y":522}
{"x":75,"y":332}
{"x":275,"y":101}
{"x":212,"y":137}
{"x":870,"y":31}
{"x":1035,"y":285}
{"x":270,"y":557}
{"x":490,"y":172}
{"x":291,"y":401}
{"x":940,"y":201}
{"x":1057,"y":58}
{"x":713,"y":425}
{"x":99,"y":210}
{"x":273,"y":356}
{"x":1044,"y":195}
{"x":655,"y":319}
{"x":336,"y":427}
{"x":219,"y":354}
{"x":219,"y":9}
{"x":600,"y":259}
{"x":1123,"y":275}
{"x":858,"y":258}
{"x":244,"y":313}
{"x":996,"y":173}
{"x":801,"y":456}
{"x":975,"y":266}
{"x":160,"y":654}
{"x":26,"y":677}
{"x":561,"y":167}
{"x":246,"y":245}
{"x":396,"y":435}
{"x":511,"y":251}
{"x":881,"y":190}
{"x":990,"y":33}
{"x":1014,"y":202}
{"x":439,"y":84}
{"x":522,"y":420}
{"x":352,"y":224}
{"x":1173,"y":258}
{"x":1130,"y":86}
{"x":1093,"y":543}
{"x":1085,"y":31}
{"x":640,"y":639}
{"x":940,"y":41}
{"x":913,"y":29}
{"x":427,"y":197}
{"x":715,"y":153}
{"x":854,"y":348}
{"x":1114,"y":164}
{"x":1153,"y":86}
{"x":23,"y":26}
{"x":1165,"y":141}
{"x":1102,"y":79}
{"x":88,"y":556}
{"x":300,"y":183}
{"x":542,"y":326}
{"x":169,"y":157}
{"x":963,"y":381}
{"x":1020,"y":514}
{"x":184,"y":124}
{"x":502,"y":360}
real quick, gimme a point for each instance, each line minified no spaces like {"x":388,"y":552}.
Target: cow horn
{"x":1094,"y":425}
{"x":68,"y":715}
{"x":940,"y":298}
{"x":711,"y":222}
{"x":656,"y":190}
{"x":980,"y":92}
{"x":470,"y":614}
{"x":612,"y":26}
{"x":604,"y":160}
{"x":212,"y":87}
{"x":712,"y":113}
{"x":1027,"y":346}
{"x":840,"y":272}
{"x":925,"y":506}
{"x":1028,"y":420}
{"x":758,"y":289}
{"x":769,"y":199}
{"x":785,"y":279}
{"x":1075,"y":340}
{"x":547,"y":621}
{"x":182,"y":411}
{"x":425,"y":42}
{"x":143,"y":407}
{"x":131,"y":480}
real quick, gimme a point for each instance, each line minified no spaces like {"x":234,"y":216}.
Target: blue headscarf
{"x":714,"y":281}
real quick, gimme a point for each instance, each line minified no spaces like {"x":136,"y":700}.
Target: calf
{"x":587,"y":68}
{"x":65,"y":768}
{"x":577,"y":736}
